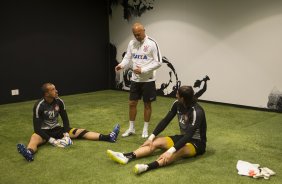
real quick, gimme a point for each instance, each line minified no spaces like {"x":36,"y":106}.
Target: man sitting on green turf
{"x":191,"y":141}
{"x":47,"y":127}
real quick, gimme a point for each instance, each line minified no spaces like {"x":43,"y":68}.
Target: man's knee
{"x":160,"y":143}
{"x":36,"y":139}
{"x":79,"y":133}
{"x":147,"y":105}
{"x":133,"y":103}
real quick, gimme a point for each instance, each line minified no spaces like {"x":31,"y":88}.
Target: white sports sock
{"x":145,"y":128}
{"x":131,"y":125}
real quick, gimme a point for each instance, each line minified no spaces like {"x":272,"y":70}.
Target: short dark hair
{"x":187,"y":93}
{"x":44,"y":88}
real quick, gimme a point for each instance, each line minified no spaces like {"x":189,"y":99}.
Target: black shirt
{"x":45,"y":116}
{"x":192,"y":123}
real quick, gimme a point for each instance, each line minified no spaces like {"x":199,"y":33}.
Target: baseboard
{"x":242,"y":106}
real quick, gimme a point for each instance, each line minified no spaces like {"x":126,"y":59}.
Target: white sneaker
{"x":145,"y":134}
{"x":140,"y":168}
{"x":128,"y":132}
{"x":117,"y":157}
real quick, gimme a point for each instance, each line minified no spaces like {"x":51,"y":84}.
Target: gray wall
{"x":237,"y":43}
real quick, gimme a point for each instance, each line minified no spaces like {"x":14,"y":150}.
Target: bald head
{"x":138,"y":31}
{"x":137,"y":26}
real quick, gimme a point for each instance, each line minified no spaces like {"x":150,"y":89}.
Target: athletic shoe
{"x":114,"y":133}
{"x":145,"y":134}
{"x":25,"y":152}
{"x":128,"y":132}
{"x":117,"y":157}
{"x":140,"y":168}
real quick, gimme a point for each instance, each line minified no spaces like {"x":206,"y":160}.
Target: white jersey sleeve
{"x":128,"y":56}
{"x":156,"y":60}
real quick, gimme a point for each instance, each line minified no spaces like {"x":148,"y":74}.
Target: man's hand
{"x":148,"y":143}
{"x":117,"y":68}
{"x":165,"y":158}
{"x":55,"y":142}
{"x":137,"y":70}
{"x":66,"y":134}
{"x":67,"y":139}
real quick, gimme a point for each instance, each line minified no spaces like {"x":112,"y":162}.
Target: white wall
{"x":237,"y":43}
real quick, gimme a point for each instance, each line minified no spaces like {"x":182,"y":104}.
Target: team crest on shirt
{"x":57,"y":108}
{"x":145,"y":48}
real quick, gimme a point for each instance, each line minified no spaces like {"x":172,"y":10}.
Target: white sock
{"x":145,"y":128}
{"x":131,"y":125}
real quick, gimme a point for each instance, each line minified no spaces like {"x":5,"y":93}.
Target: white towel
{"x":254,"y":170}
{"x":247,"y":168}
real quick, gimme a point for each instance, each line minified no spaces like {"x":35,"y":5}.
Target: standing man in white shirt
{"x":145,"y":56}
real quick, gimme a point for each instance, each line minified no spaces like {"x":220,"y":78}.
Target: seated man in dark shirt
{"x":47,"y":128}
{"x":190,"y":142}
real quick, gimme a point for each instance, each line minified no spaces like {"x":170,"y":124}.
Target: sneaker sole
{"x":131,"y":133}
{"x":112,"y":157}
{"x":116,"y":129}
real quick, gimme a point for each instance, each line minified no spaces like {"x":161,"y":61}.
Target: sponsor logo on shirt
{"x":136,"y":56}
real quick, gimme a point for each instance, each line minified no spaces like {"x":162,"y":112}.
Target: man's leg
{"x":34,"y":142}
{"x":149,"y":95}
{"x":132,"y":116}
{"x":186,"y":151}
{"x":85,"y":134}
{"x":147,"y":117}
{"x":144,"y":150}
{"x":78,"y":133}
{"x":29,"y":151}
{"x":132,"y":109}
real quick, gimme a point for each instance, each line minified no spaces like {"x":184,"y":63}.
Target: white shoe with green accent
{"x":140,"y":168}
{"x":117,"y":157}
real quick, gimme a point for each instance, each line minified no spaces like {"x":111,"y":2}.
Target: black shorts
{"x":57,"y":132}
{"x":200,"y":147}
{"x":147,"y":90}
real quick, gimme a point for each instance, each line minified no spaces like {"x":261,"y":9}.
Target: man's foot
{"x":117,"y":157}
{"x":128,"y":132}
{"x":145,"y":133}
{"x":114,"y":133}
{"x":25,"y":152}
{"x":140,"y":168}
